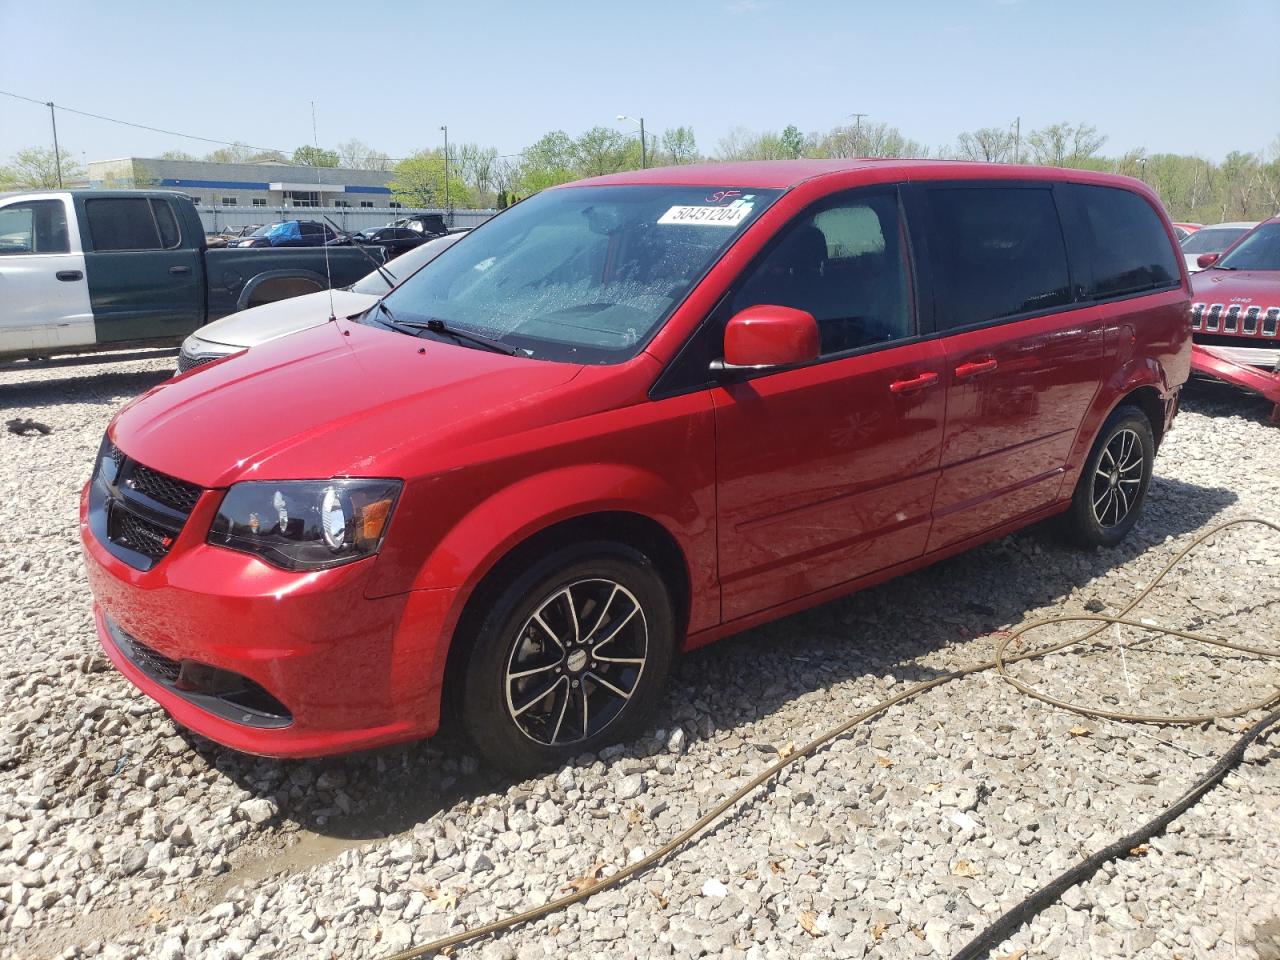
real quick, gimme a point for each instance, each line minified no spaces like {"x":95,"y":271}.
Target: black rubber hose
{"x":1008,"y":924}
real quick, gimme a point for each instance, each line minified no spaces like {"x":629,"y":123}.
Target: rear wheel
{"x":1112,"y":488}
{"x":572,"y":656}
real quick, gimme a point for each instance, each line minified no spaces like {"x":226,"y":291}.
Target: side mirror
{"x":1207,"y":259}
{"x":766,"y":336}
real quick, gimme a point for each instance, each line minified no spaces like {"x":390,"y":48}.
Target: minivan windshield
{"x":1260,"y":250}
{"x":579,"y":274}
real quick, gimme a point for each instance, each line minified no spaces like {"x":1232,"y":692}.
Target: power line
{"x":176,"y":133}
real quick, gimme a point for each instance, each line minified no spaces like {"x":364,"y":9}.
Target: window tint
{"x":998,"y":252}
{"x":1128,"y":251}
{"x":34,"y":226}
{"x":1260,"y":250}
{"x":310,"y":228}
{"x":1212,"y":239}
{"x":166,"y":222}
{"x":846,"y":265}
{"x":122,"y":224}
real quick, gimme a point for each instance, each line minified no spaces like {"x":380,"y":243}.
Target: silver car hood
{"x":248,"y":328}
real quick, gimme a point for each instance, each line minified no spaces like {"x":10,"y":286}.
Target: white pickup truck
{"x":84,"y":270}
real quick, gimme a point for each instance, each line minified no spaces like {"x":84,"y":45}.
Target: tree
{"x":989,"y":144}
{"x":869,"y":140}
{"x":549,"y":161}
{"x":793,"y":142}
{"x":176,"y":155}
{"x":36,"y":168}
{"x":357,"y":155}
{"x":602,"y":150}
{"x":476,"y":166}
{"x":418,"y":181}
{"x":236,"y":153}
{"x":679,"y":145}
{"x":309,"y":156}
{"x":1065,"y":144}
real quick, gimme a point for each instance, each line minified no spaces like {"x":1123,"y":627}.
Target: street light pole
{"x":445,"y":128}
{"x":57,"y":155}
{"x":644,"y":156}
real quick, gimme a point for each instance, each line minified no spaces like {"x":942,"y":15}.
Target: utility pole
{"x":644,"y":155}
{"x":57,"y":155}
{"x":445,"y":128}
{"x":1017,"y":139}
{"x":857,"y":129}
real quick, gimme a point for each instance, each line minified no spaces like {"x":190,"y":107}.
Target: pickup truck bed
{"x":84,"y":270}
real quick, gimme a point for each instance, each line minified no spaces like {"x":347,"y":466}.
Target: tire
{"x":1102,"y":512}
{"x":541,"y":629}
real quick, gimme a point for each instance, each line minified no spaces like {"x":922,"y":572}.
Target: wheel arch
{"x":268,"y":277}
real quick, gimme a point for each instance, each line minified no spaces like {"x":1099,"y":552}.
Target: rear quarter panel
{"x":231,"y":270}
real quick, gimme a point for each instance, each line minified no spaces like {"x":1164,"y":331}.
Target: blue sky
{"x":1170,"y":75}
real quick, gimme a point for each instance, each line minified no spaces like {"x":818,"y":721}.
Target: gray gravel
{"x":122,"y":836}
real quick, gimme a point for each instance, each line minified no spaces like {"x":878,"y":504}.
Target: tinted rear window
{"x":122,"y":224}
{"x":998,"y":252}
{"x":1128,"y":252}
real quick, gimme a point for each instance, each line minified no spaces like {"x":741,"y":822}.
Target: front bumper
{"x":350,"y":672}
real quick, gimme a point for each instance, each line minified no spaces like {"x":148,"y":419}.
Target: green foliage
{"x":419,"y":181}
{"x":36,"y":168}
{"x":679,"y":145}
{"x":793,"y":142}
{"x":308,"y":156}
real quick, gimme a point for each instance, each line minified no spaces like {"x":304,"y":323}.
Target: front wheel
{"x":1113,"y":485}
{"x":572,"y":656}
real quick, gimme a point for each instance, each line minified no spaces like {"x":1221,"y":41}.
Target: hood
{"x":340,"y":399}
{"x":1248,"y":288}
{"x":257,"y":325}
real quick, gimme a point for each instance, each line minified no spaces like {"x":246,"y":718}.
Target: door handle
{"x":178,"y":270}
{"x":976,"y":368}
{"x":69,"y":275}
{"x":917,"y":383}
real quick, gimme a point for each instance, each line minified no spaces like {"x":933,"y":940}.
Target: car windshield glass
{"x":581,"y":274}
{"x":1258,"y":251}
{"x":1212,"y":240}
{"x":263,"y":231}
{"x":375,"y":284}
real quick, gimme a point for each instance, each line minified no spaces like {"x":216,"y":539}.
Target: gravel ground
{"x":122,"y":836}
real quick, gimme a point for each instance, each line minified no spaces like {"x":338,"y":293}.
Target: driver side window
{"x":845,"y":263}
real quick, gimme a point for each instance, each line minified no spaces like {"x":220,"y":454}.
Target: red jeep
{"x":622,"y":419}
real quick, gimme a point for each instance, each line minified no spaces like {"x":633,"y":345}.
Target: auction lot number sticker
{"x":729,"y":216}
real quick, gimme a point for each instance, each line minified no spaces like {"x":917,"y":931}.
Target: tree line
{"x":1242,"y":186}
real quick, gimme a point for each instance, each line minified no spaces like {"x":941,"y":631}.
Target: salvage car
{"x":1213,"y":239}
{"x":85,"y":270}
{"x":1236,"y":299}
{"x":257,"y":325}
{"x":393,"y":241}
{"x":622,"y":419}
{"x":291,"y":233}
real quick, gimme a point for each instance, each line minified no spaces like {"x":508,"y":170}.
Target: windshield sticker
{"x":722,"y":195}
{"x":729,"y":216}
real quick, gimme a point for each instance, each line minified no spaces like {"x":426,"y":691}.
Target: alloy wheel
{"x":1117,"y":479}
{"x":576,"y":662}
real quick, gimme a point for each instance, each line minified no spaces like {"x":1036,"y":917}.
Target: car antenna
{"x":328,"y":274}
{"x":383,"y":272}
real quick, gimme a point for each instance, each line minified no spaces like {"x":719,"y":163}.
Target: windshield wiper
{"x":436,"y":325}
{"x":388,"y":277}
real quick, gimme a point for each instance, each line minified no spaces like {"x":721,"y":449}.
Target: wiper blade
{"x":388,"y":277}
{"x":436,"y":325}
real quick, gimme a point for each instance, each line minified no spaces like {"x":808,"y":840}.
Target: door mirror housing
{"x":767,"y":336}
{"x":1207,"y":259}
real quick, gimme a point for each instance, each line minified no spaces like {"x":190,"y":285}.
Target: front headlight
{"x":305,"y":524}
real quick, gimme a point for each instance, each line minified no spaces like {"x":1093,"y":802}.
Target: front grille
{"x":132,"y":531}
{"x":1253,"y":321}
{"x":153,"y":664}
{"x":169,"y":491}
{"x":138,"y":512}
{"x":188,"y":362}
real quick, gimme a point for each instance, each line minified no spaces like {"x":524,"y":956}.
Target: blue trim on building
{"x":367,"y":190}
{"x":215,"y":184}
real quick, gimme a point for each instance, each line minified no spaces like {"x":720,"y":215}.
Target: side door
{"x":44,"y":298}
{"x":146,"y":279}
{"x":1023,"y":352}
{"x":826,"y":473}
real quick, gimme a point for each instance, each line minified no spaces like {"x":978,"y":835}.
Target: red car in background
{"x":1236,"y":299}
{"x":1184,"y":230}
{"x":622,"y":419}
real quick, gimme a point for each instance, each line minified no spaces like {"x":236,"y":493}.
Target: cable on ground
{"x":1009,"y":923}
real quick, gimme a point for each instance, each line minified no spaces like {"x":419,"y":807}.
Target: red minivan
{"x":622,"y":419}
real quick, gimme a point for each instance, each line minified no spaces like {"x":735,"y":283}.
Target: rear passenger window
{"x":1129,"y":252}
{"x":124,"y":223}
{"x":998,"y":252}
{"x":166,"y":222}
{"x":845,"y":264}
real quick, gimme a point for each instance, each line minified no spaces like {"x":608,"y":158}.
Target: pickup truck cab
{"x":84,"y":270}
